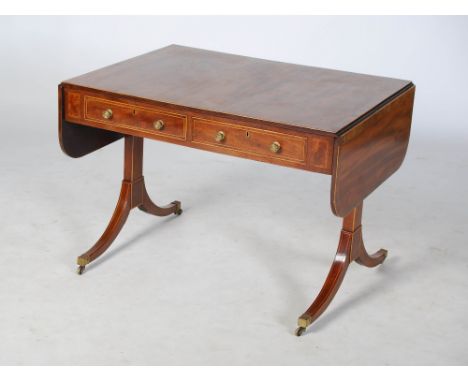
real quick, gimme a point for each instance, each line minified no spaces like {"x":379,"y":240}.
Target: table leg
{"x":350,"y":247}
{"x":132,"y":194}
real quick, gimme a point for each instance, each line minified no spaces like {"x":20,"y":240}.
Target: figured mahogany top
{"x":298,"y":96}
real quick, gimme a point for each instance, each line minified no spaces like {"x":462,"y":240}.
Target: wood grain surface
{"x":307,"y":151}
{"x":367,"y":154}
{"x":311,"y":98}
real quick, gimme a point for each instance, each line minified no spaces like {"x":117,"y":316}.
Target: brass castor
{"x":179,"y":211}
{"x":299,"y":331}
{"x":80,"y":269}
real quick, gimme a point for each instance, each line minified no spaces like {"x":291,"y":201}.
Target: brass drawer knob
{"x":159,"y":124}
{"x":107,"y":114}
{"x":220,"y":136}
{"x":275,"y":147}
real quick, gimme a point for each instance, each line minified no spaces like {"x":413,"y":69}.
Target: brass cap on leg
{"x":82,"y":261}
{"x":304,"y":321}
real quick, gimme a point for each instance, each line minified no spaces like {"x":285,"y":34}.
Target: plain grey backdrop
{"x":225,"y":282}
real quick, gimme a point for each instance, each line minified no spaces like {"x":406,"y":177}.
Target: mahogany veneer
{"x":351,"y":126}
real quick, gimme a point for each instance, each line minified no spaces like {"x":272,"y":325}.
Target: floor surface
{"x":224,"y":283}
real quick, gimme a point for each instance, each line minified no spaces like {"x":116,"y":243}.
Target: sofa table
{"x":353,"y":127}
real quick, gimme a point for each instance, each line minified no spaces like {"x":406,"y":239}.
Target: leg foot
{"x":116,"y":223}
{"x":372,"y":260}
{"x":179,"y":209}
{"x":147,"y":205}
{"x":299,"y":331}
{"x":80,"y":269}
{"x":332,"y":283}
{"x":350,"y":247}
{"x":133,"y":194}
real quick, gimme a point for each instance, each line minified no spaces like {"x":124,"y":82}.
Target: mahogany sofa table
{"x":353,"y":127}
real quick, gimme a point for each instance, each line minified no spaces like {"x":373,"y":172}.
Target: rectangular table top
{"x":316,"y":99}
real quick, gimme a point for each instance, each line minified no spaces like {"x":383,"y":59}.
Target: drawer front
{"x":150,"y":120}
{"x":248,"y":140}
